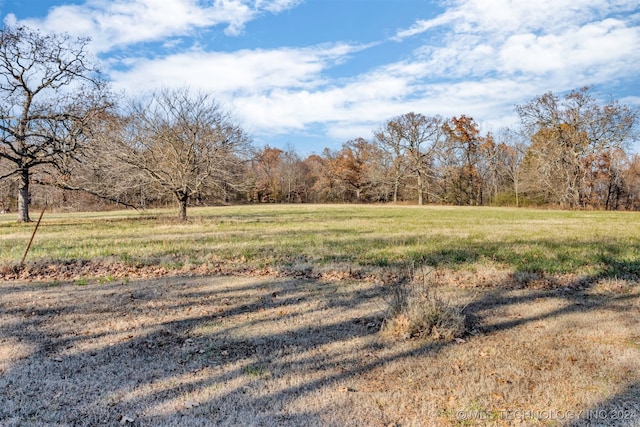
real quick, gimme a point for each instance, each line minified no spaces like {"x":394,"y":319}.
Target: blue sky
{"x":315,"y":73}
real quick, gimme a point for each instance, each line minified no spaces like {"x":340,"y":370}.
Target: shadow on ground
{"x":252,"y":351}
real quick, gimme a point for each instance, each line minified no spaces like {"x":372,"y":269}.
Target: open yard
{"x":272,"y":315}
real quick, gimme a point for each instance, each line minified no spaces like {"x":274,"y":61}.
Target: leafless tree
{"x":49,"y":93}
{"x":414,"y":139}
{"x":294,"y":174}
{"x":178,"y":143}
{"x":100,"y":170}
{"x":511,"y":148}
{"x":565,"y":132}
{"x":390,"y":139}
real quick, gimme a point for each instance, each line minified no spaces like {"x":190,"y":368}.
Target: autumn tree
{"x":604,"y":179}
{"x":350,"y":169}
{"x":180,"y":143}
{"x":631,"y":179}
{"x":369,"y":170}
{"x":268,"y":174}
{"x":316,"y":178}
{"x":49,"y":94}
{"x":565,"y":132}
{"x":465,"y":142}
{"x":356,"y":166}
{"x":329,"y":174}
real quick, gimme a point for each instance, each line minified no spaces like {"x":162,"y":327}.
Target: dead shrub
{"x":416,"y":311}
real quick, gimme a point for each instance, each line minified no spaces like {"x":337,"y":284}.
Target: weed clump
{"x":416,"y":311}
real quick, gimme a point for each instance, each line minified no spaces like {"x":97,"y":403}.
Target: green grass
{"x":555,"y":242}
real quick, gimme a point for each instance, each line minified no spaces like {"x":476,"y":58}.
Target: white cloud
{"x":561,"y":44}
{"x":606,"y":44}
{"x":276,"y":6}
{"x":422,"y":26}
{"x":500,"y":17}
{"x":245,"y":71}
{"x":118,"y":23}
{"x":359,"y":107}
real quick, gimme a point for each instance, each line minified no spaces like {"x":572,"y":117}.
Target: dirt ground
{"x":277,"y":351}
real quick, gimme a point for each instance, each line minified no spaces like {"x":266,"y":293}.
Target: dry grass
{"x":416,"y":310}
{"x":281,"y":351}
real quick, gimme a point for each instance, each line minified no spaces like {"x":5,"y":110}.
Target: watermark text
{"x":542,"y":415}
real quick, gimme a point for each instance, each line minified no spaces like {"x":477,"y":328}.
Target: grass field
{"x":274,"y":315}
{"x":358,"y":237}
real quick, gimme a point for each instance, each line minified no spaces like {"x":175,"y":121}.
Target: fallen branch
{"x":32,"y":236}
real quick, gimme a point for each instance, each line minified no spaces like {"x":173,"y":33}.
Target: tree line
{"x":67,"y":141}
{"x":580,"y":160}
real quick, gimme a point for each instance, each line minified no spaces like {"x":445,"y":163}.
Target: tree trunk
{"x":396,"y":185}
{"x":183,"y":200}
{"x":23,"y":196}
{"x":420,"y":189}
{"x":183,"y":210}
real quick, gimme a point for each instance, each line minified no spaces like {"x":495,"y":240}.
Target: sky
{"x":310,"y":74}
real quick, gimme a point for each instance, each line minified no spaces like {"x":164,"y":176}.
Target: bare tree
{"x":100,"y":170}
{"x":294,"y":175}
{"x":49,"y":93}
{"x":181,"y":144}
{"x":511,"y":148}
{"x":7,"y":187}
{"x":390,"y":139}
{"x":418,"y":138}
{"x":565,"y":131}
